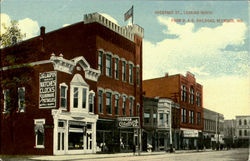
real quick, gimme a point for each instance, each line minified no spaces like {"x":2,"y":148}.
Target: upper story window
{"x":100,"y":101}
{"x":138,"y":76}
{"x":240,"y":132}
{"x":117,"y":104}
{"x":6,"y":94}
{"x":21,"y":99}
{"x":184,"y":93}
{"x":245,"y":122}
{"x":167,"y":118}
{"x":91,"y":101}
{"x":80,"y":92}
{"x":198,"y":99}
{"x":124,"y":105}
{"x":198,"y":118}
{"x":245,"y":132}
{"x":191,"y":117}
{"x":131,"y":103}
{"x":239,"y":122}
{"x":131,"y":73}
{"x":161,"y":119}
{"x":154,"y":118}
{"x":191,"y":95}
{"x":108,"y":103}
{"x":116,"y":68}
{"x":100,"y":61}
{"x":183,"y":115}
{"x":146,"y":117}
{"x":108,"y":65}
{"x":63,"y":95}
{"x":124,"y":71}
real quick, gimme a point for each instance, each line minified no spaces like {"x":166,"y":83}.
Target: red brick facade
{"x":85,"y":39}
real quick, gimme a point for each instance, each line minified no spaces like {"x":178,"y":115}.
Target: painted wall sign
{"x":47,"y":93}
{"x":190,"y":133}
{"x":128,"y":122}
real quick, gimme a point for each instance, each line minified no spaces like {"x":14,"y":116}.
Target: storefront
{"x":74,"y":133}
{"x":190,"y":138}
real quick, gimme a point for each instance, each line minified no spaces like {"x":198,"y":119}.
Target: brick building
{"x":186,"y":92}
{"x":80,"y":79}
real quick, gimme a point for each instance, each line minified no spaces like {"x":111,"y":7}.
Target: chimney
{"x":42,"y":30}
{"x":166,"y":74}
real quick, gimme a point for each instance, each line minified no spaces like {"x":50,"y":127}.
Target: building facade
{"x":230,"y":132}
{"x":81,"y":79}
{"x":186,"y":92}
{"x":213,"y":128}
{"x":158,"y":131}
{"x":242,"y":130}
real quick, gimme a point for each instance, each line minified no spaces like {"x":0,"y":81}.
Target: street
{"x":230,"y":155}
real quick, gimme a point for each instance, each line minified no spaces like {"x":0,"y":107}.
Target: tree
{"x":11,"y":35}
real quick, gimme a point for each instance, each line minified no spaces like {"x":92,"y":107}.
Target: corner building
{"x":185,"y":91}
{"x":80,"y":78}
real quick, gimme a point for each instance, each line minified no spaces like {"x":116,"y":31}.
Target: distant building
{"x":213,"y":128}
{"x":230,"y":132}
{"x":157,"y":122}
{"x":83,"y":77}
{"x":242,"y":130}
{"x":185,"y":91}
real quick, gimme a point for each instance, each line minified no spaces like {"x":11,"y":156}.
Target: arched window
{"x":245,"y":122}
{"x":239,"y":122}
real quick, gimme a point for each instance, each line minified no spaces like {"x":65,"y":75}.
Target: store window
{"x":21,"y":99}
{"x":76,"y":132}
{"x":39,"y":133}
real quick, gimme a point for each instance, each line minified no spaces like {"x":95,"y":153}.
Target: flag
{"x":128,"y":14}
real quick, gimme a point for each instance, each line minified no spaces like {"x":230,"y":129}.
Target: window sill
{"x":39,"y":147}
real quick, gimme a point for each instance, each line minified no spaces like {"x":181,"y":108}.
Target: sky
{"x":207,"y":38}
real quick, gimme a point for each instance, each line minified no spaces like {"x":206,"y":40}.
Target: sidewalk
{"x":115,"y":155}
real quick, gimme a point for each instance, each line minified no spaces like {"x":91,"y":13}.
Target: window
{"x":131,"y":73}
{"x":198,"y":118}
{"x":191,"y":95}
{"x":84,"y":97}
{"x":108,"y":103}
{"x":167,"y":117}
{"x":161,"y":119}
{"x":21,"y":99}
{"x":138,"y":76}
{"x":117,"y":104}
{"x":146,"y":117}
{"x":100,"y":102}
{"x":100,"y":61}
{"x":245,"y":132}
{"x":91,"y":102}
{"x":124,"y":105}
{"x":39,"y":131}
{"x":240,"y":132}
{"x":131,"y":102}
{"x":75,"y":104}
{"x":239,"y":122}
{"x":63,"y":96}
{"x":124,"y":71}
{"x":184,"y":93}
{"x":191,"y":117}
{"x":198,"y":99}
{"x":108,"y":65}
{"x":183,"y":115}
{"x":154,"y":117}
{"x":245,"y":122}
{"x":6,"y":100}
{"x":116,"y":68}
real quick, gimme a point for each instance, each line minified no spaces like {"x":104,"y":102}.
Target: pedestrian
{"x":134,"y":149}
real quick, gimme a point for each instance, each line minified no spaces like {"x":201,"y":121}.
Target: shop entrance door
{"x":61,"y":138}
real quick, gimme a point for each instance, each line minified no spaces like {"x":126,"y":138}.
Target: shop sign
{"x":190,"y":133}
{"x":47,"y":93}
{"x":128,"y":122}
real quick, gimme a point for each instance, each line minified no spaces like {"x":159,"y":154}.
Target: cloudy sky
{"x":201,"y":42}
